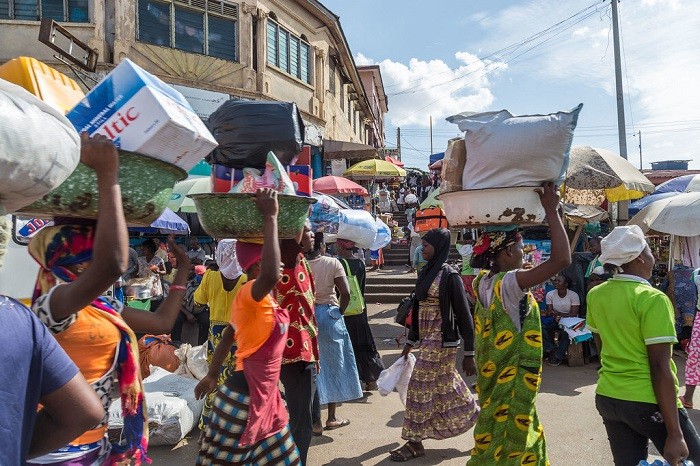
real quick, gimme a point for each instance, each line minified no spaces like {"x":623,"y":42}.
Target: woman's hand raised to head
{"x":266,"y":201}
{"x":99,"y":153}
{"x":549,"y":196}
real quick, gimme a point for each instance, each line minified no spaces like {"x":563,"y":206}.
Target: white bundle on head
{"x":227,"y":260}
{"x":622,"y":245}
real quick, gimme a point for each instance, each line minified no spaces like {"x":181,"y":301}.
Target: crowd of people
{"x":282,"y":312}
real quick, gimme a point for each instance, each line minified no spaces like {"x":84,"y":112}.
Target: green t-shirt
{"x":629,"y":314}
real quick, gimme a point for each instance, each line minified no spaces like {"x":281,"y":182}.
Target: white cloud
{"x":421,"y":89}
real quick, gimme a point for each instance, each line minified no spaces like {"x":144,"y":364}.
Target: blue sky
{"x":445,"y":57}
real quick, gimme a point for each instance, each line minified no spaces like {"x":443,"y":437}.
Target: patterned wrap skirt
{"x":221,"y":444}
{"x":216,"y":330}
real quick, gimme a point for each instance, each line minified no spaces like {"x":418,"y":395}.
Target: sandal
{"x":685,"y":404}
{"x":405,"y":453}
{"x":337,"y":424}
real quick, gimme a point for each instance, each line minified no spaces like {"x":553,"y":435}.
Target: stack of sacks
{"x":142,"y":114}
{"x":505,"y":151}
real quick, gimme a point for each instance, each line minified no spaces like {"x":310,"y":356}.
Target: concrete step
{"x":389,"y":282}
{"x":380,"y":288}
{"x":384,"y":298}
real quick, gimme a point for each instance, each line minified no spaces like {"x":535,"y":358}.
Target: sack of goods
{"x":504,"y":150}
{"x":39,"y":148}
{"x":357,"y":226}
{"x":142,"y":114}
{"x":246,"y":131}
{"x":173,"y":410}
{"x":453,"y":166}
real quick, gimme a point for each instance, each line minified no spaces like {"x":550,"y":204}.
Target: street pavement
{"x":575,"y":432}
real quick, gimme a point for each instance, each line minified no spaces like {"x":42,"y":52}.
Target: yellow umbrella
{"x":375,"y":168}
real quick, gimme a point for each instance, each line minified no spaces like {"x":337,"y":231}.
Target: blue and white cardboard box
{"x":142,"y":114}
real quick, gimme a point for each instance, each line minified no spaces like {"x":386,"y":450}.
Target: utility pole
{"x":622,"y":206}
{"x":431,"y":135}
{"x":398,"y":141}
{"x":618,"y":82}
{"x":640,"y":149}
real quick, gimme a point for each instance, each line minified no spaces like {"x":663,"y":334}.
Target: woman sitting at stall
{"x":561,"y":302}
{"x":78,"y":263}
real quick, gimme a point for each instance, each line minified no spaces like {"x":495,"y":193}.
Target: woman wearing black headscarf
{"x":439,"y":404}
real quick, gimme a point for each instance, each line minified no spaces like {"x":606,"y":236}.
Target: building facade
{"x":291,"y":51}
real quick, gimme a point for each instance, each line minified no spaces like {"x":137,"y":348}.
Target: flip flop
{"x":337,"y":424}
{"x":685,"y":404}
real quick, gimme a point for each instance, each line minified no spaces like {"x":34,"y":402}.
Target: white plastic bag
{"x":383,"y":235}
{"x":357,"y":226}
{"x":396,"y":377}
{"x":197,"y":361}
{"x":505,"y":151}
{"x":39,"y":148}
{"x":173,"y":410}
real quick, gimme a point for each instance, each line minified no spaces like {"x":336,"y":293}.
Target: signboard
{"x":385,"y":152}
{"x":203,"y":102}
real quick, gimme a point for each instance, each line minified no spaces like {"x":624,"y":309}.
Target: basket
{"x":235,"y":215}
{"x":146,"y":186}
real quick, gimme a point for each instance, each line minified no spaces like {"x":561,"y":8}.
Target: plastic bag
{"x":325,"y":214}
{"x":357,"y":226}
{"x":397,"y":377}
{"x":39,"y":148}
{"x":383,"y":235}
{"x":274,"y":176}
{"x":247,"y":130}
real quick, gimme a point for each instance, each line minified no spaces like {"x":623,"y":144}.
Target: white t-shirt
{"x":562,"y":305}
{"x":511,"y":294}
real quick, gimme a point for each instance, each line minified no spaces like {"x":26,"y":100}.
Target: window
{"x":200,"y":26}
{"x":288,"y":52}
{"x":75,"y":11}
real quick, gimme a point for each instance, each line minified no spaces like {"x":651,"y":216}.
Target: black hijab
{"x":439,"y":239}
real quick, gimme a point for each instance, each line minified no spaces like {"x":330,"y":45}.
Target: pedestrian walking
{"x":633,"y":325}
{"x":218,"y":290}
{"x":369,"y":363}
{"x":249,"y":420}
{"x":509,"y":341}
{"x":338,"y":380}
{"x":439,"y":404}
{"x":295,"y":293}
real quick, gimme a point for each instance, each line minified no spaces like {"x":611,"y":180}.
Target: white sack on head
{"x":227,"y":260}
{"x":622,"y":245}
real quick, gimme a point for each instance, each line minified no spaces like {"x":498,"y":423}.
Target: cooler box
{"x":49,"y":85}
{"x":142,"y":114}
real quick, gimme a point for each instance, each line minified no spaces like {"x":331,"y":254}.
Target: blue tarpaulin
{"x":435,"y":157}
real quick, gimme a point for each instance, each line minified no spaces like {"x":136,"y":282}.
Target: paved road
{"x":575,"y":434}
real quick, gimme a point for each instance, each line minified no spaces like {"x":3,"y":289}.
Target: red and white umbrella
{"x":337,"y":185}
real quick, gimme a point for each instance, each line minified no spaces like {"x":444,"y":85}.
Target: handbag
{"x":356,"y":305}
{"x":403,"y":311}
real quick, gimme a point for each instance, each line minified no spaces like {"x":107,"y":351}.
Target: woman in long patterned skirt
{"x":439,"y":404}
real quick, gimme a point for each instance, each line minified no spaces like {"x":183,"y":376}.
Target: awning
{"x":347,"y":150}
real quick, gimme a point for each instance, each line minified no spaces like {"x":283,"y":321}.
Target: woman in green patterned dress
{"x":508,"y":342}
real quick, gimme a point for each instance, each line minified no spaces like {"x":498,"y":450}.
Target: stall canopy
{"x":435,"y":157}
{"x":347,"y":150}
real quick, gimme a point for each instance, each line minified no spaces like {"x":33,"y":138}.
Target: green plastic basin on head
{"x":231,"y":215}
{"x":146,"y":186}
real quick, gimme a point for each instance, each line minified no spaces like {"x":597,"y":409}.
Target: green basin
{"x":146,"y":185}
{"x":230,"y":215}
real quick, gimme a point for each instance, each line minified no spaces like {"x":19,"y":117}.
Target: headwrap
{"x":227,"y":260}
{"x":345,"y":243}
{"x":57,"y":247}
{"x":200,"y":269}
{"x":622,"y":245}
{"x":490,"y":243}
{"x":248,"y":254}
{"x":439,"y":239}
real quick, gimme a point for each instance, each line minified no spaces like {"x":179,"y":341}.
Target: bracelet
{"x":178,"y":287}
{"x":469,"y":354}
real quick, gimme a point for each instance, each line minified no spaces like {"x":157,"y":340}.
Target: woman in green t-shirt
{"x":633,"y":325}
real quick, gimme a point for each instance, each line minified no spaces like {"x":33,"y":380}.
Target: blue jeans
{"x":548,"y":330}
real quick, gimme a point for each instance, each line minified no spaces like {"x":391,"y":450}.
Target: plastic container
{"x":233,"y":215}
{"x":498,"y":206}
{"x":48,"y":84}
{"x":146,"y":185}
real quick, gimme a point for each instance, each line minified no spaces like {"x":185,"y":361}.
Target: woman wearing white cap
{"x":633,"y":325}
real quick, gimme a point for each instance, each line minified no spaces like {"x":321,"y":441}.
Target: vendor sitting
{"x":561,"y":302}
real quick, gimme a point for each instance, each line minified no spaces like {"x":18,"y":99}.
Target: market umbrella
{"x":678,"y":215}
{"x":681,"y":184}
{"x":396,"y":162}
{"x":432,"y":201}
{"x":337,"y":185}
{"x":179,"y":200}
{"x":168,"y":223}
{"x":639,"y":204}
{"x":596,"y":175}
{"x":376,"y":169}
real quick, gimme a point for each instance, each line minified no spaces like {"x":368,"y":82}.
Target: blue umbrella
{"x":639,"y":204}
{"x":169,"y":222}
{"x":681,"y":184}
